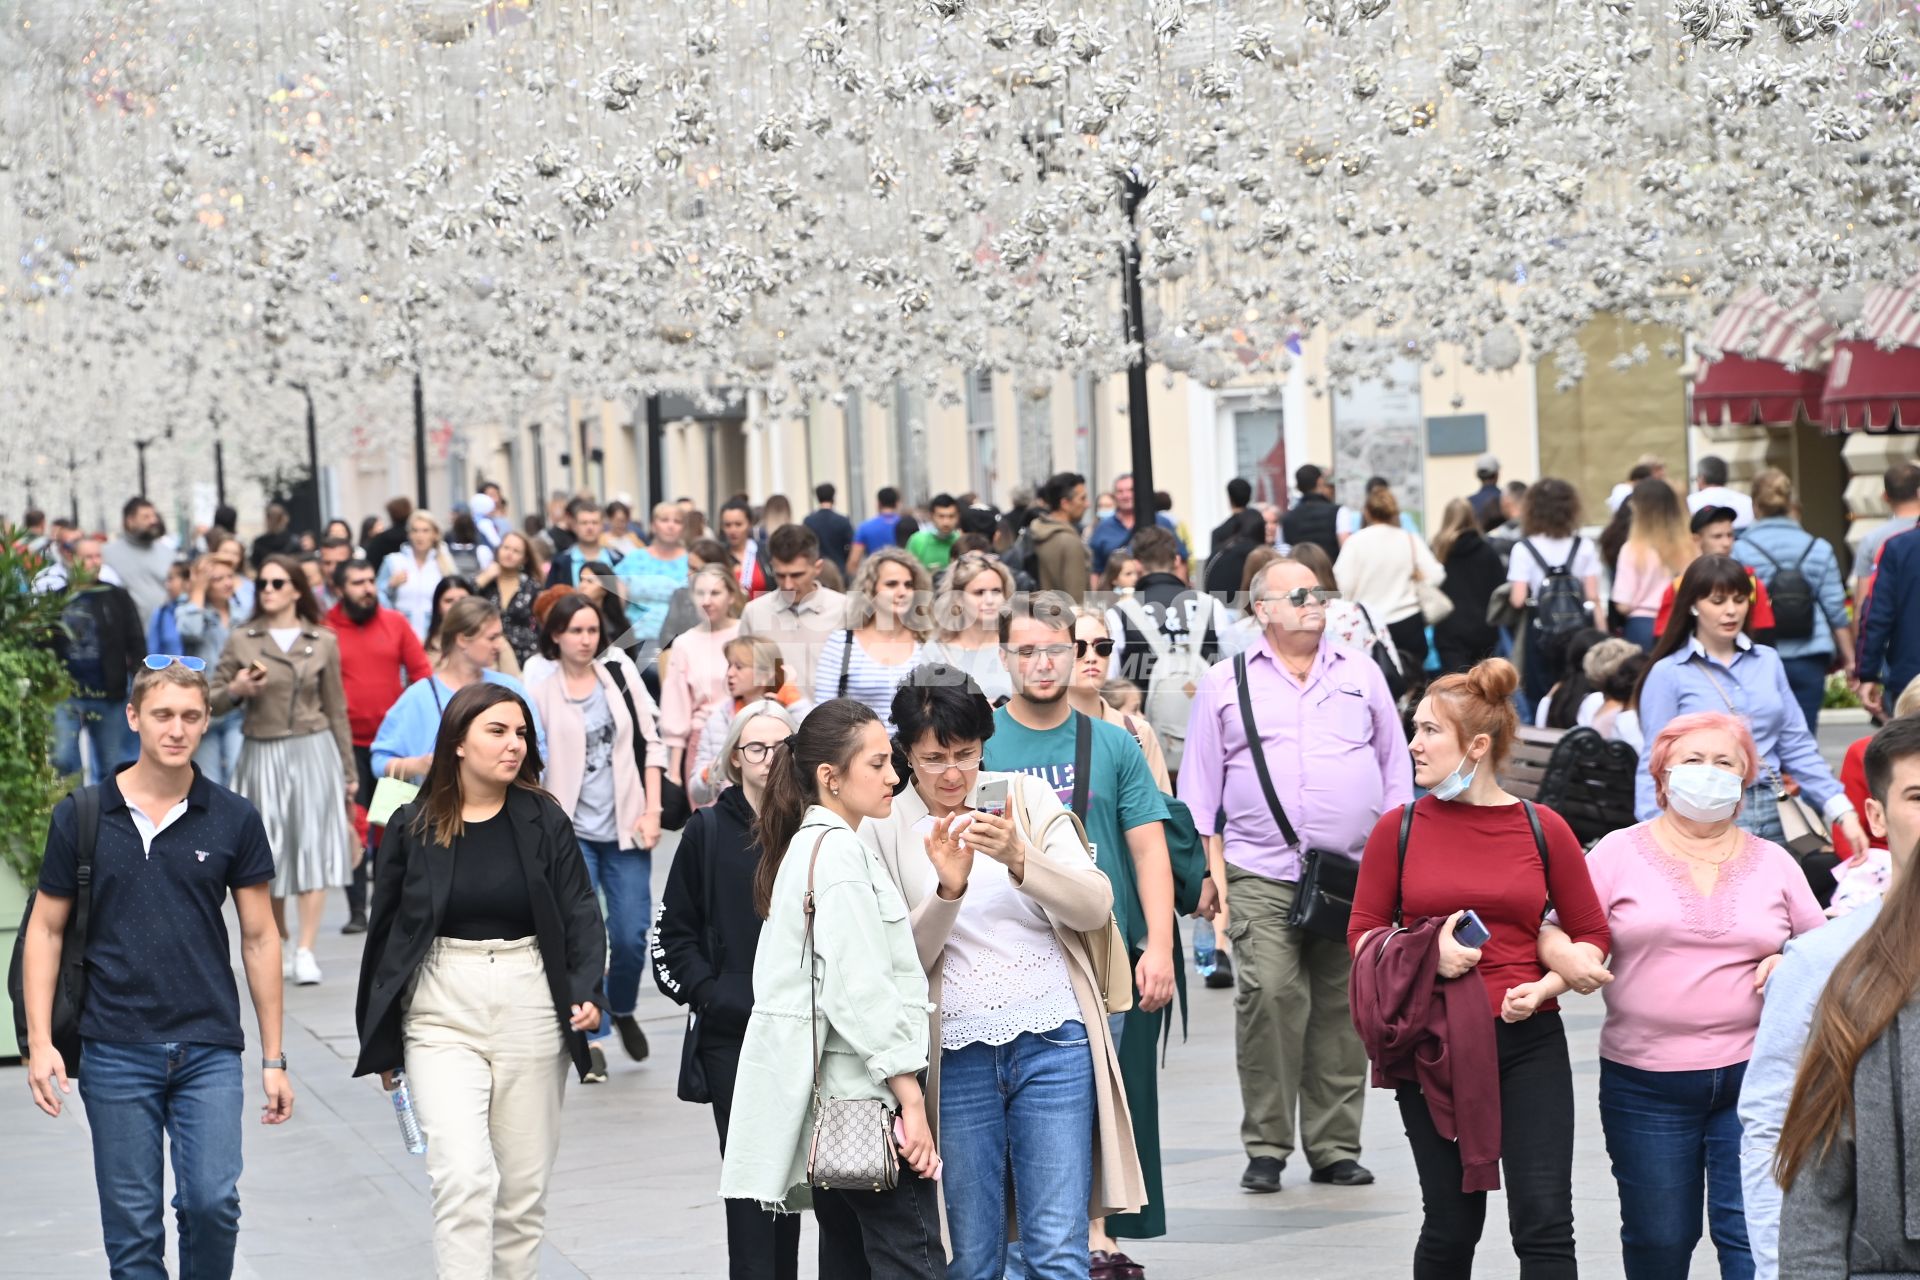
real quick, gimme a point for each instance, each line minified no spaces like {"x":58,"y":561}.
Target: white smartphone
{"x":991,"y":796}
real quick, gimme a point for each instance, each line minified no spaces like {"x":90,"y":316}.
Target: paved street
{"x":334,"y":1193}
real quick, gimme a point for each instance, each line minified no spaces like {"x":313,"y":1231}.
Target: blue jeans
{"x":1025,"y":1108}
{"x":219,"y":751}
{"x":624,"y":879}
{"x":1807,"y":677}
{"x":193,"y":1095}
{"x":104,"y":721}
{"x":1674,"y":1138}
{"x":1640,"y":632}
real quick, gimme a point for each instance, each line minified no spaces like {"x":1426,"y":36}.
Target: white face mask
{"x":1454,"y":785}
{"x":1703,"y":792}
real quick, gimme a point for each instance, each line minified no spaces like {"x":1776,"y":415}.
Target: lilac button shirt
{"x":1334,"y":747}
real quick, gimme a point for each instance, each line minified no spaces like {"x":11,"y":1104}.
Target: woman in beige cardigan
{"x":1027,"y":1078}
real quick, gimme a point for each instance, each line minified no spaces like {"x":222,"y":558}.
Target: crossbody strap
{"x":1540,"y":844}
{"x":1257,"y":749}
{"x":1706,"y":669}
{"x":1082,"y":763}
{"x":1157,"y":642}
{"x":813,"y":997}
{"x":639,"y":738}
{"x":846,"y":663}
{"x":1400,"y":878}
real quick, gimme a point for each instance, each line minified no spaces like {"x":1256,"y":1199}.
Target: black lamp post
{"x":420,"y":441}
{"x":1132,"y":192}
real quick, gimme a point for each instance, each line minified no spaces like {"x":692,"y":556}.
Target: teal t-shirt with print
{"x":1120,"y":795}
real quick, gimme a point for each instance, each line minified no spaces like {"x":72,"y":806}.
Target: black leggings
{"x":760,"y":1245}
{"x":1536,"y":1162}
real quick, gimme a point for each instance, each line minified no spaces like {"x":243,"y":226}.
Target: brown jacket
{"x":303,"y":693}
{"x":1065,"y":564}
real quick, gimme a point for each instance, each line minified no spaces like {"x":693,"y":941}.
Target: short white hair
{"x":723,"y":774}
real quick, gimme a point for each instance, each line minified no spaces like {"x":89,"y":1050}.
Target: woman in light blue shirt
{"x":1707,"y":661}
{"x":1774,"y":543}
{"x":654,"y":573}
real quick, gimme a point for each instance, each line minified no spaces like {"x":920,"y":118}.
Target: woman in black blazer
{"x":482,"y":971}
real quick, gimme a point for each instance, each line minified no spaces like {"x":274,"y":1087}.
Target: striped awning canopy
{"x":1755,"y":326}
{"x":1770,"y":368}
{"x":1873,"y":381}
{"x":1892,"y":315}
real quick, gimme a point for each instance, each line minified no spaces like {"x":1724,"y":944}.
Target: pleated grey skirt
{"x":297,"y":786}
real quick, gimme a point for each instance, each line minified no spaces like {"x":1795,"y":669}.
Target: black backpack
{"x":1792,"y":595}
{"x":1560,"y":605}
{"x":70,"y":984}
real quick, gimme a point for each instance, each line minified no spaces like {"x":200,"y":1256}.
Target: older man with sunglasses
{"x":1298,"y":742}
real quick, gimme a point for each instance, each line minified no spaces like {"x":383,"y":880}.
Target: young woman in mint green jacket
{"x":863,"y":1002}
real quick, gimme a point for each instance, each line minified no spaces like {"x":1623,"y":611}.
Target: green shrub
{"x":33,"y":684}
{"x":1838,"y":694}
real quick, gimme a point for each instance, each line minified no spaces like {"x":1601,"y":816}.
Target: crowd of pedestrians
{"x":945,"y":784}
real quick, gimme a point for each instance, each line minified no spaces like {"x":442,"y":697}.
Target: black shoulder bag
{"x":693,"y":1085}
{"x":70,"y":984}
{"x":1323,"y":899}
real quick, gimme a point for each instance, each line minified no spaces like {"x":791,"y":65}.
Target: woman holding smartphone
{"x":1472,"y":846}
{"x":1000,"y":892}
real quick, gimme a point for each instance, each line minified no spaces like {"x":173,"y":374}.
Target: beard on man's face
{"x":359,"y":613}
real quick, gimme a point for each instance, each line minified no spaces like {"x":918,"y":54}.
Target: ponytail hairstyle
{"x":830,"y":735}
{"x":1481,"y":701}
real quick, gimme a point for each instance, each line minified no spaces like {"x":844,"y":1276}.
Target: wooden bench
{"x":1579,"y":775}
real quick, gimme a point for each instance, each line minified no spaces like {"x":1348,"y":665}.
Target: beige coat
{"x":1075,"y":895}
{"x":303,"y":694}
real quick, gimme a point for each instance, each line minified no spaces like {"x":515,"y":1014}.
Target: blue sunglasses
{"x":161,"y":661}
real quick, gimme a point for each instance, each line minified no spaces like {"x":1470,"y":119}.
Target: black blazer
{"x":411,"y":887}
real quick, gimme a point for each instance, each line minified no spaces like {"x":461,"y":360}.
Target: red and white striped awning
{"x":1892,"y":315}
{"x":1756,"y":327}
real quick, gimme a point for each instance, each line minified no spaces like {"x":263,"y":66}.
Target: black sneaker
{"x":1222,"y":975}
{"x":1344,"y":1173}
{"x":1263,"y":1174}
{"x":596,"y":1066}
{"x":357,"y":924}
{"x":632,"y":1038}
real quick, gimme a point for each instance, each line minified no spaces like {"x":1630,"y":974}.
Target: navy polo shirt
{"x":158,"y":966}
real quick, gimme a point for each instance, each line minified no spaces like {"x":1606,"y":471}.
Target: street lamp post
{"x":420,"y":441}
{"x":1131,"y":193}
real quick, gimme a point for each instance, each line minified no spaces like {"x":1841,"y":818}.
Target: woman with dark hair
{"x":481,"y":973}
{"x":1027,"y":1078}
{"x":601,"y":584}
{"x":1246,"y":533}
{"x":851,"y":1026}
{"x":1707,"y":661}
{"x":1474,"y":572}
{"x":469,"y":550}
{"x":470,"y":646}
{"x":1562,"y":706}
{"x":512,"y":583}
{"x":446,"y":593}
{"x":703,"y":954}
{"x":1551,"y":545}
{"x":296,"y":752}
{"x":749,"y":560}
{"x":599,"y":723}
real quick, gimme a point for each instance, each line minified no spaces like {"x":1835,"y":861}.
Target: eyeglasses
{"x":755,"y":752}
{"x":1051,"y":652}
{"x":274,"y":584}
{"x":1299,"y":596}
{"x":1103,"y":648}
{"x":161,"y":661}
{"x":965,"y":762}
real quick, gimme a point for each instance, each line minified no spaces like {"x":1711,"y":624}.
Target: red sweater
{"x":1481,"y":857}
{"x":372,"y":657}
{"x":1853,"y":780}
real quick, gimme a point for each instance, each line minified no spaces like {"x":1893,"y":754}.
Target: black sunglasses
{"x":1102,"y":647}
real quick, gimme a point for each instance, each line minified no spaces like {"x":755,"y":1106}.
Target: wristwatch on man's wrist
{"x":274,"y":1064}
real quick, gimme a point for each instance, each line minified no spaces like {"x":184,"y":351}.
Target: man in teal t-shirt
{"x":934,"y":547}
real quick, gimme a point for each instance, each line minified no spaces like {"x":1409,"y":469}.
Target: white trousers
{"x":487,"y":1067}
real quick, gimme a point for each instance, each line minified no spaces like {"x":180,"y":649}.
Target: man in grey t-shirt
{"x":140,"y":557}
{"x":1902,"y":483}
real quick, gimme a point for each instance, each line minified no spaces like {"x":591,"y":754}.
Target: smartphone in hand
{"x":991,"y":797}
{"x":1470,"y":932}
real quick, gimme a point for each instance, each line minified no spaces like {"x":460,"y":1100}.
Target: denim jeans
{"x":1024,"y":1109}
{"x":1807,"y":677}
{"x":193,"y":1095}
{"x":220,"y":750}
{"x":1674,"y":1138}
{"x":624,"y":880}
{"x":104,"y":721}
{"x":1640,"y":632}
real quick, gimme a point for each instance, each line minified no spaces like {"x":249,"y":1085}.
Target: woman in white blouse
{"x":889,"y":609}
{"x":1380,"y":566}
{"x":1027,"y":1080}
{"x":408,"y":576}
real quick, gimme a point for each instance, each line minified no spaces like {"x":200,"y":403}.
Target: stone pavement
{"x":334,"y":1193}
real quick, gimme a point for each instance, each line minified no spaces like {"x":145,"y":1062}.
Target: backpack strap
{"x":1759,"y":551}
{"x":1082,"y":763}
{"x":1572,"y":553}
{"x":1805,"y":551}
{"x":1399,"y":883}
{"x":639,"y":738}
{"x":1130,"y":606}
{"x":1538,"y":558}
{"x":1540,"y":844}
{"x":86,"y":814}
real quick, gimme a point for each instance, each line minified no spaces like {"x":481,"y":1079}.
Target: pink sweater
{"x":1639,"y":582}
{"x":1682,"y":996}
{"x":696,"y":683}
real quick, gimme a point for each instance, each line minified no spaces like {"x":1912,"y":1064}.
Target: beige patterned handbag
{"x":852,"y":1147}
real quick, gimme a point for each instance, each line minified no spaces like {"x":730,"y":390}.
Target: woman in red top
{"x":1472,"y":848}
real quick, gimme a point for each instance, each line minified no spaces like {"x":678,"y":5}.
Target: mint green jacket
{"x":872,"y":999}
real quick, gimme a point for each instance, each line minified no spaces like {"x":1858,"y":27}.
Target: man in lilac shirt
{"x":1337,"y":757}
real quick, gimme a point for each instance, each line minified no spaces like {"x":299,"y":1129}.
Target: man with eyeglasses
{"x":159,"y":1028}
{"x":1336,"y":758}
{"x":1038,"y":732}
{"x":101,"y":642}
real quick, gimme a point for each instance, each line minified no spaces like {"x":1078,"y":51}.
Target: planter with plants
{"x":33,"y":684}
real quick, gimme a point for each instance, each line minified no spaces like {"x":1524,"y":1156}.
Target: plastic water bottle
{"x":409,"y":1122}
{"x":1203,"y":953}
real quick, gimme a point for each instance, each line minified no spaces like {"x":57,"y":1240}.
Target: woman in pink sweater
{"x":1698,"y":910}
{"x":695,"y":680}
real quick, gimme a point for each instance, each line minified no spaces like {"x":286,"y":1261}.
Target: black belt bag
{"x":1323,"y":899}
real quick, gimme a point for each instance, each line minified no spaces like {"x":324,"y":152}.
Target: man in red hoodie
{"x":377,"y":646}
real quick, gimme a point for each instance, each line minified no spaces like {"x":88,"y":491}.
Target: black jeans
{"x":1409,"y":636}
{"x":881,"y":1235}
{"x":356,"y":889}
{"x":1536,"y":1162}
{"x":760,"y":1245}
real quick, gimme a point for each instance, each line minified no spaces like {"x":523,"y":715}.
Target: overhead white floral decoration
{"x":209,"y":201}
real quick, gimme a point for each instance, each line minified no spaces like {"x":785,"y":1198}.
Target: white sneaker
{"x":306,"y":970}
{"x":286,"y":962}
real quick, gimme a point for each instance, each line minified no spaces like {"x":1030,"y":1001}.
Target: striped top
{"x":870,"y":680}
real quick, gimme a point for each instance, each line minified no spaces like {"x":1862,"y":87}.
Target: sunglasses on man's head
{"x":161,"y":661}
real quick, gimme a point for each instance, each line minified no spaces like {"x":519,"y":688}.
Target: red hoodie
{"x":372,"y":656}
{"x":1422,"y":1029}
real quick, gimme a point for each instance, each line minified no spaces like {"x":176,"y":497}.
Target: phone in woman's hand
{"x":1470,"y":932}
{"x":991,"y":797}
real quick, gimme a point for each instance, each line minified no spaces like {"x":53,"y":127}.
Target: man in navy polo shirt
{"x":161,"y":1025}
